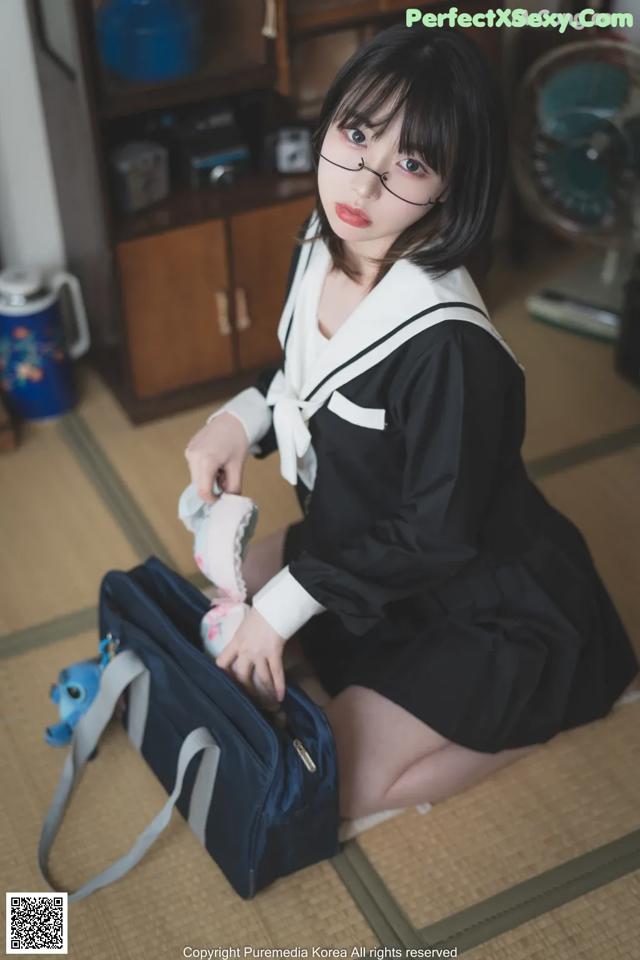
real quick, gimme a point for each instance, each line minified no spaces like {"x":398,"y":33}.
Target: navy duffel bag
{"x":261,"y":795}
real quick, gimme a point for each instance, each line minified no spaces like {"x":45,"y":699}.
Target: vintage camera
{"x":210,"y":149}
{"x":288,"y":150}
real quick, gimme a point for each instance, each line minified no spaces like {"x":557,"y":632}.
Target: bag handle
{"x":125,"y":668}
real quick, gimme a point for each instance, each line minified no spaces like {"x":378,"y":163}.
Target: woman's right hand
{"x":217,"y":452}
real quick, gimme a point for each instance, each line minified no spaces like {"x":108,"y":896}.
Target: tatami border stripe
{"x":67,"y":625}
{"x":466,"y":929}
{"x":370,"y":894}
{"x":111,"y":487}
{"x":51,"y":631}
{"x":144,"y":540}
{"x":582,"y":453}
{"x":511,"y":908}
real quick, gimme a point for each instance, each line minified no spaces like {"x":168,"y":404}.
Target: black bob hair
{"x":454,"y":120}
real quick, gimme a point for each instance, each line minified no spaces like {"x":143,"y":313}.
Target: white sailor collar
{"x":405,"y":302}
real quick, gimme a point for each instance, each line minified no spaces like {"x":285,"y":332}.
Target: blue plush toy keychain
{"x":76,"y":690}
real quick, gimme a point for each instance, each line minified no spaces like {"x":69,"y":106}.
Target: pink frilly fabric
{"x":222,"y":530}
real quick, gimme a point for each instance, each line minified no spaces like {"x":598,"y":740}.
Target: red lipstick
{"x":355,"y":218}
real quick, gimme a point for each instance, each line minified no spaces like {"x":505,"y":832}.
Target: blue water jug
{"x":36,"y":369}
{"x":148,"y":41}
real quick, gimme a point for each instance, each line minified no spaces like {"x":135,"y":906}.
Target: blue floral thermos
{"x":36,"y":370}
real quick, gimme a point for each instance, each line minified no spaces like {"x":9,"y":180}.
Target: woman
{"x":454,"y":615}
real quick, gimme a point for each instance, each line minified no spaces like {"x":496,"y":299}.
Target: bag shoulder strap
{"x":125,"y":668}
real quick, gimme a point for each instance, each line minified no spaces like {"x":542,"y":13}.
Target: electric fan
{"x":576,"y":163}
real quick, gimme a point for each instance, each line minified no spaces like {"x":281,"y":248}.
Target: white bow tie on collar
{"x":289,"y":422}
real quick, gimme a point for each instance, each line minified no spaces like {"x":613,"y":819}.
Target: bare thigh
{"x":376,"y":741}
{"x":263,"y":559}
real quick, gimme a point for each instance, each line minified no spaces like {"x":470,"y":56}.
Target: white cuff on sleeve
{"x":253,"y":412}
{"x":285,"y":604}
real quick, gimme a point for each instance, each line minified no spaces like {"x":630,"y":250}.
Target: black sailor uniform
{"x":450,"y":585}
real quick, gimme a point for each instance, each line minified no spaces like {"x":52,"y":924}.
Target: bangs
{"x":453,"y":120}
{"x":428,"y":130}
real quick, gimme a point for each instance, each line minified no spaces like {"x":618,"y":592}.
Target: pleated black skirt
{"x":499,"y":660}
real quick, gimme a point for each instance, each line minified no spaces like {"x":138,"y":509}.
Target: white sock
{"x":351,"y":828}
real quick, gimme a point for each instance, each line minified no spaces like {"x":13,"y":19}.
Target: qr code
{"x":36,"y":922}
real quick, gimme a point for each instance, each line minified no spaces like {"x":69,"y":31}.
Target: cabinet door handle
{"x":222,"y":310}
{"x":243,"y":320}
{"x":269,"y":28}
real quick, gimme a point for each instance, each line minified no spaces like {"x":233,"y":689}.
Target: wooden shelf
{"x":124,"y":99}
{"x":166,"y":285}
{"x":187,"y":207}
{"x":235,"y":57}
{"x":307,"y":17}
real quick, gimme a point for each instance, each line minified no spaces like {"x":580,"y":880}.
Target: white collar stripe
{"x":394,"y":332}
{"x":371,"y":332}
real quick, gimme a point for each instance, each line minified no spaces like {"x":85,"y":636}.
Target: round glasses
{"x":403,"y":184}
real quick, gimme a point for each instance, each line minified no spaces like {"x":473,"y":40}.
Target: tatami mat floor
{"x":547,"y":861}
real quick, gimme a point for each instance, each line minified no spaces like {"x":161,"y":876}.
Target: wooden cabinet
{"x":261,"y":246}
{"x":186,"y":321}
{"x":184,"y":296}
{"x":175,"y":290}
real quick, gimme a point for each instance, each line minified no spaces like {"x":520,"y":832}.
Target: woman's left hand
{"x":255,"y":645}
